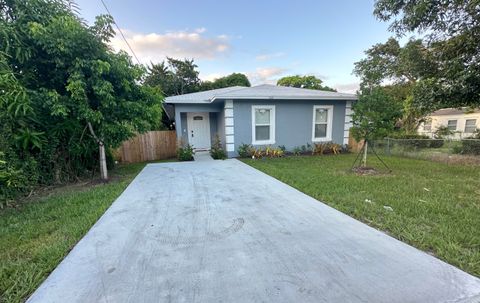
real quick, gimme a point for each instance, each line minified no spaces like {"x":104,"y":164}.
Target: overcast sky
{"x":261,"y":38}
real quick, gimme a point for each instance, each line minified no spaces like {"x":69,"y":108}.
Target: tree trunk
{"x":103,"y":162}
{"x":101,"y":151}
{"x":364,"y":161}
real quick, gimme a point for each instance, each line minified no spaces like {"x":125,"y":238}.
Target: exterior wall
{"x":181,"y":111}
{"x":442,"y":120}
{"x":293,"y":121}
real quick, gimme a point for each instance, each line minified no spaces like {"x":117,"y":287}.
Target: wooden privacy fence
{"x":150,"y":146}
{"x":353,"y":145}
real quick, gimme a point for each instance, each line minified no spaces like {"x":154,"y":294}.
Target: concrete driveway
{"x":221,"y":231}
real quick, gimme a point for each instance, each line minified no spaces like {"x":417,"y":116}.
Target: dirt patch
{"x":41,"y":193}
{"x":367,"y":171}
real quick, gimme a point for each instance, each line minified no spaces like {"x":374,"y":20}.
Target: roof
{"x":454,"y":111}
{"x":265,"y":91}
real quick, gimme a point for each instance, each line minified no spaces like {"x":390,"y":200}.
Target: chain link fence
{"x":462,"y":151}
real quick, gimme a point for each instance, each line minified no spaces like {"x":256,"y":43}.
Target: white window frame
{"x":474,"y":126}
{"x":456,"y":124}
{"x":329,"y":123}
{"x":272,"y":125}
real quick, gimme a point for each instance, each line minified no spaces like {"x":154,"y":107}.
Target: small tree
{"x":374,"y":117}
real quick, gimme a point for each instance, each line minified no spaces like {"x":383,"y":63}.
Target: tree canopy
{"x":174,"y":76}
{"x":398,"y":64}
{"x":452,"y":29}
{"x":235,"y":79}
{"x":404,"y":67}
{"x":57,"y":77}
{"x":310,"y":82}
{"x":374,"y":114}
{"x":177,"y":77}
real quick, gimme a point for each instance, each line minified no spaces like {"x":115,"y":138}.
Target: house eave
{"x":337,"y":98}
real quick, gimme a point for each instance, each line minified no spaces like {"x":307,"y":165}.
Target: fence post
{"x":388,"y":146}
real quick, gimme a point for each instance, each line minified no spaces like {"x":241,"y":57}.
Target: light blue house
{"x":262,"y":115}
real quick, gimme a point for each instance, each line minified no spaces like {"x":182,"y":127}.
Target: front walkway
{"x":202,"y":156}
{"x":221,"y":231}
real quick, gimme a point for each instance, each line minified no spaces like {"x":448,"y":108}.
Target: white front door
{"x":199,"y":130}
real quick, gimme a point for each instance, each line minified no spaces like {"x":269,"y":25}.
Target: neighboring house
{"x":262,"y":115}
{"x":462,"y":122}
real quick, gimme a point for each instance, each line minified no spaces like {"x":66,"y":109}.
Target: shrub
{"x":436,"y":143}
{"x":442,"y":132}
{"x":319,"y":148}
{"x":185,"y":153}
{"x":267,"y":152}
{"x":245,"y":150}
{"x":326,"y":148}
{"x":306,"y":148}
{"x":16,"y":177}
{"x":217,"y":152}
{"x":470,"y":146}
{"x":414,"y":140}
{"x":297,"y":151}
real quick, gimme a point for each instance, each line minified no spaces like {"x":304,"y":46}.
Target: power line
{"x":120,"y":31}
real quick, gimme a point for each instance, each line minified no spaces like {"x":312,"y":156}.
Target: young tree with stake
{"x":374,"y":117}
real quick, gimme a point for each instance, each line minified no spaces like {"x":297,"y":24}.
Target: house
{"x":462,"y":122}
{"x":262,"y":115}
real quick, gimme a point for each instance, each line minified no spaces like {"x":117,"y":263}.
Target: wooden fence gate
{"x":150,"y":146}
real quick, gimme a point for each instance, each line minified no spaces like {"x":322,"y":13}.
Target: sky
{"x":264,"y":39}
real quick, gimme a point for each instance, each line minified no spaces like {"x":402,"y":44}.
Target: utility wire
{"x":120,"y":31}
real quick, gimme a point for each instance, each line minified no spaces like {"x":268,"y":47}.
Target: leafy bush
{"x":297,"y":151}
{"x":413,"y":141}
{"x":185,"y":153}
{"x":471,"y":145}
{"x":442,"y":132}
{"x":48,"y":101}
{"x":217,"y":152}
{"x":267,"y":152}
{"x":436,"y":143}
{"x":306,"y":148}
{"x":16,"y":177}
{"x":326,"y":148}
{"x":245,"y":150}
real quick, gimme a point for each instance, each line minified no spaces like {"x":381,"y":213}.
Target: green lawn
{"x":35,"y":237}
{"x":436,"y":207}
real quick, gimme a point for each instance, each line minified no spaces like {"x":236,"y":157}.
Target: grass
{"x":38,"y":234}
{"x":436,"y":206}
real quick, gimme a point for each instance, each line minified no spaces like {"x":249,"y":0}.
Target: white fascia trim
{"x":336,"y":98}
{"x":329,"y":123}
{"x":272,"y":125}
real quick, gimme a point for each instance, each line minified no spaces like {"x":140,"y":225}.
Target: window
{"x":452,"y":125}
{"x":263,"y":124}
{"x":322,"y":123}
{"x":470,"y":125}
{"x":198,"y":118}
{"x":427,"y":126}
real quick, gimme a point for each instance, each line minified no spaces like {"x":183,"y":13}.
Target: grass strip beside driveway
{"x":35,"y":237}
{"x":432,"y":206}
